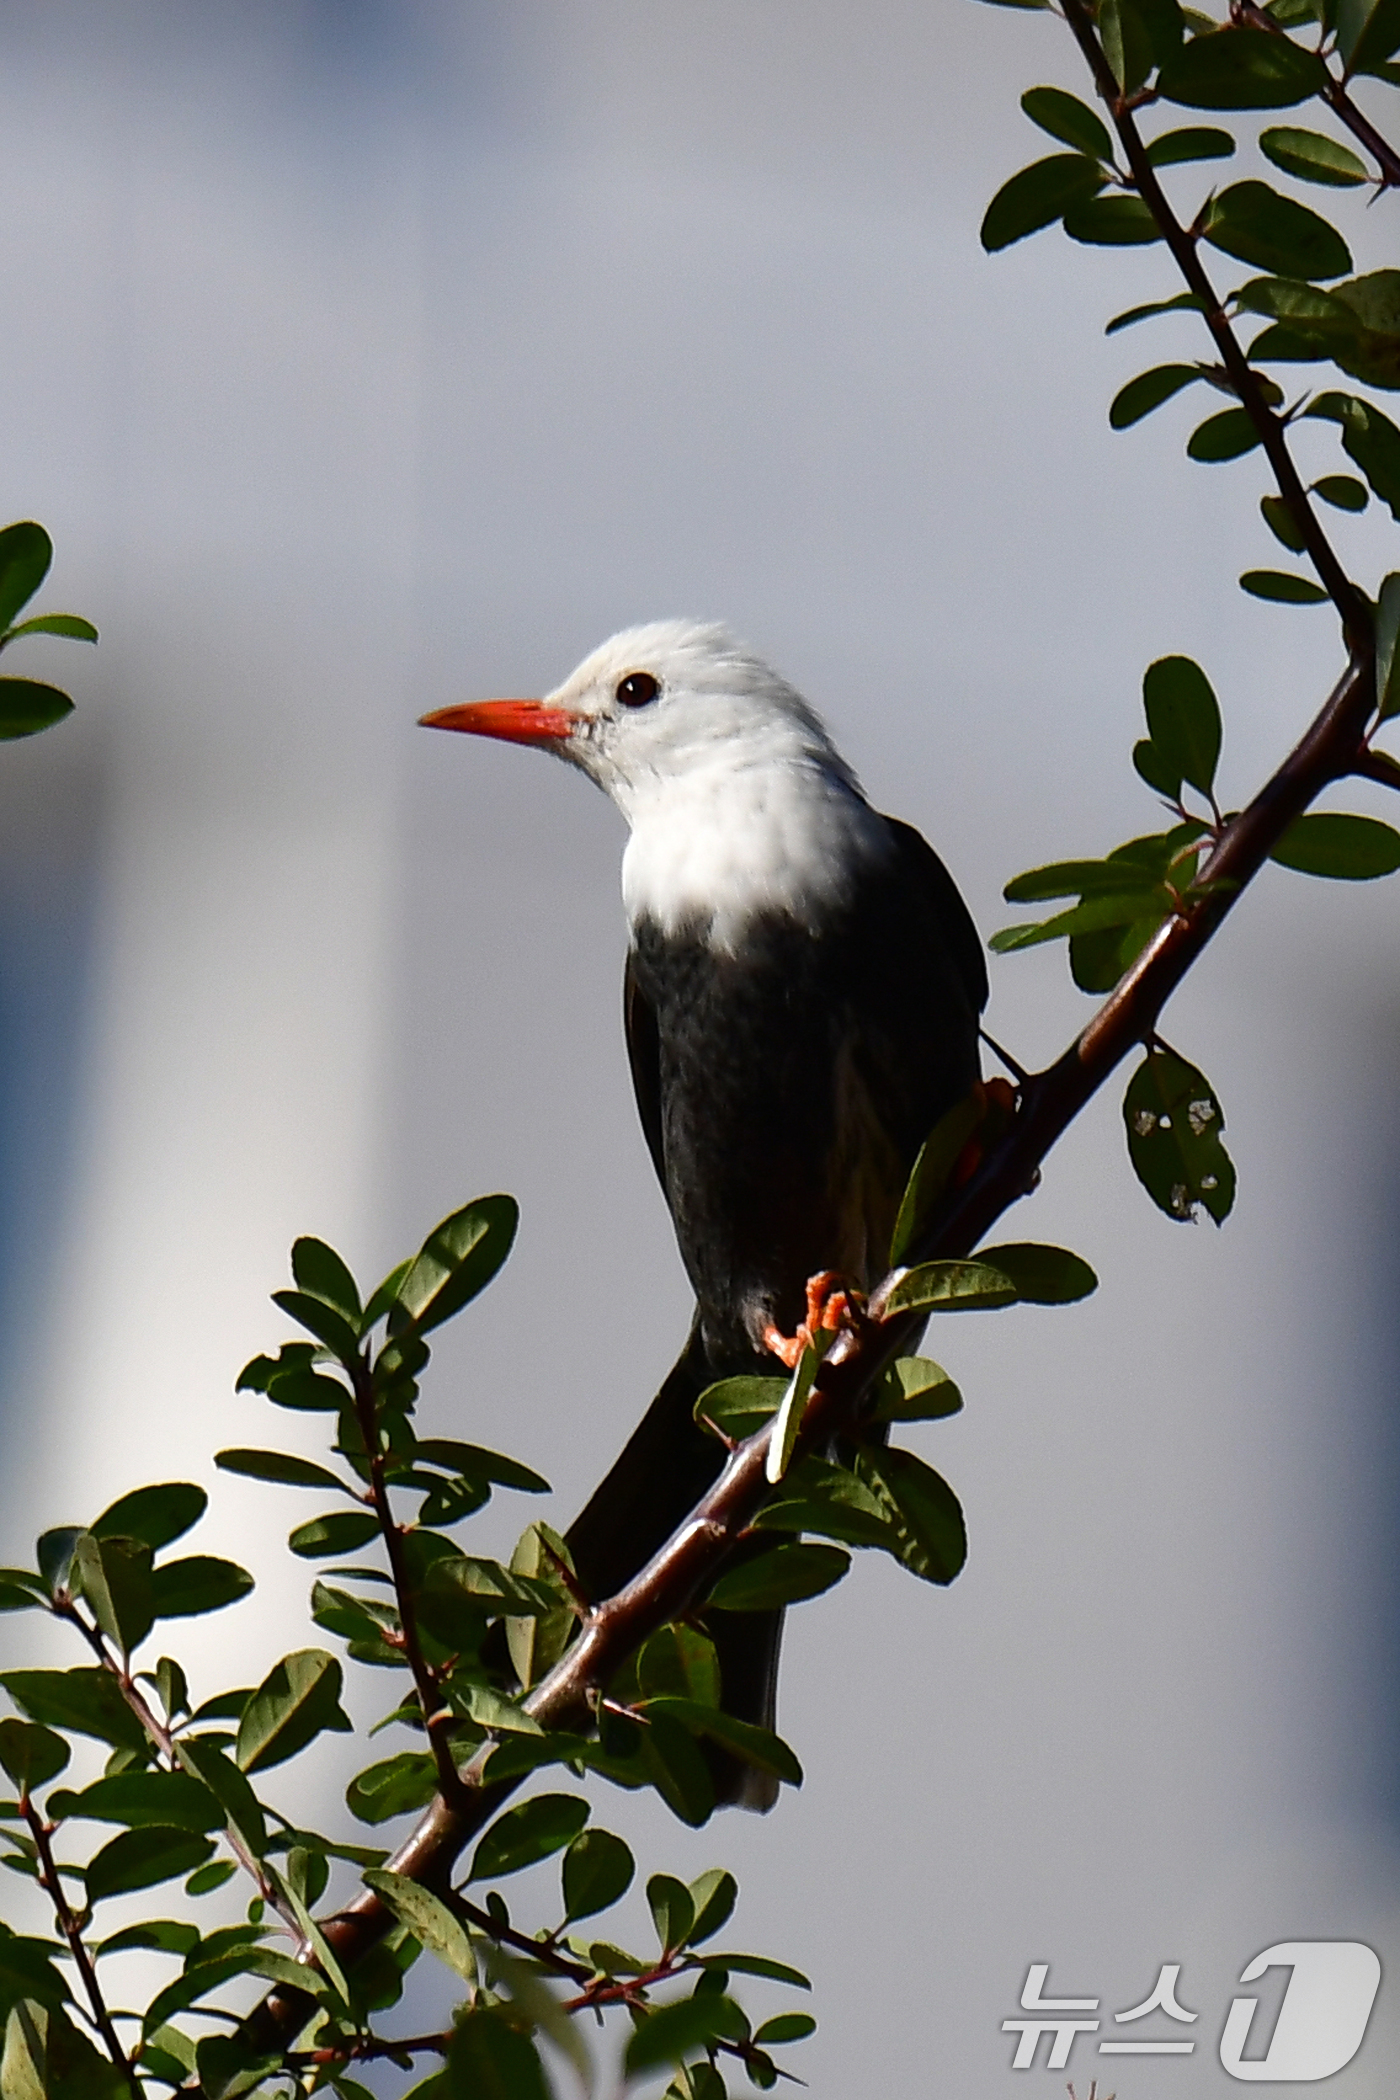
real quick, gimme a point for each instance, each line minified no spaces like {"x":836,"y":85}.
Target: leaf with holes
{"x":1174,"y":1122}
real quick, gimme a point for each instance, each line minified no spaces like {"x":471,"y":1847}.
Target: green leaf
{"x":185,"y":1589}
{"x":1042,"y":1275}
{"x":322,"y":1320}
{"x":1281,"y":588}
{"x":1098,"y":960}
{"x":85,"y":1702}
{"x":951,"y":1286}
{"x":1342,"y":491}
{"x":740,"y":1406}
{"x":139,"y":1859}
{"x":598,"y":1871}
{"x":476,"y":1463}
{"x":535,"y":1830}
{"x":759,"y":1747}
{"x":156,"y":1515}
{"x":1174,"y":1124}
{"x":672,"y":1911}
{"x":166,"y":1935}
{"x":537,"y":1640}
{"x":1279,"y":519}
{"x":66,"y":625}
{"x":202,"y":1977}
{"x":1191,"y":142}
{"x":933,"y":1169}
{"x":280,"y":1467}
{"x":297,"y":1699}
{"x":679,"y":1662}
{"x":172,"y":1800}
{"x":46,"y":2058}
{"x":26,"y":707}
{"x":1126,"y":43}
{"x":1351,"y":849}
{"x":1387,"y":654}
{"x":714,"y":1894}
{"x":393,"y":1787}
{"x":1237,"y":68}
{"x":672,"y":2032}
{"x":783,"y":1575}
{"x":340,"y":1531}
{"x":785,"y":2027}
{"x":116,"y":1582}
{"x":1037,"y":196}
{"x":1068,"y":119}
{"x":827,"y":1498}
{"x":787,"y":1423}
{"x":489,"y":2060}
{"x":458,"y":1259}
{"x":1311,"y":157}
{"x":26,"y":552}
{"x":319,"y":1271}
{"x":428,"y":1918}
{"x":1184,"y":302}
{"x":1371,"y":440}
{"x":924,"y":1514}
{"x":1183,"y":719}
{"x":1228,"y":435}
{"x":204,"y":1759}
{"x":1156,"y":768}
{"x":1112,"y":222}
{"x":1148,"y":391}
{"x":758,"y":1965}
{"x":1368,"y":31}
{"x":30,"y":1754}
{"x":1079,"y":878}
{"x":915,"y":1389}
{"x":1260,"y":226}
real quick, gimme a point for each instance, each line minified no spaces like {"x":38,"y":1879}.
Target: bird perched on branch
{"x":801,"y":999}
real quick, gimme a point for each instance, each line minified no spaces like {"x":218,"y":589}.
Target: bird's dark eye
{"x":637,"y":688}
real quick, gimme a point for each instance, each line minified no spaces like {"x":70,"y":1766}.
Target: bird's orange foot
{"x":833,"y":1304}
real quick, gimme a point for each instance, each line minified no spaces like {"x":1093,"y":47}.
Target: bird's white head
{"x":738,"y":800}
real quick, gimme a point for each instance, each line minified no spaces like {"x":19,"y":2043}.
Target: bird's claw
{"x":834,"y":1306}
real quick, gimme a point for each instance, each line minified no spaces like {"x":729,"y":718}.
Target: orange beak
{"x":514,"y":721}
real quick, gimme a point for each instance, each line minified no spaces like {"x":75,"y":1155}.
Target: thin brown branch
{"x":164,"y":1742}
{"x":437,"y":1716}
{"x":1336,"y":96}
{"x":1351,"y":605}
{"x":52,"y":1884}
{"x":1378,"y":765}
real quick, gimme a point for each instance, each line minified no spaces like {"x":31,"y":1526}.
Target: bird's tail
{"x":664,"y":1468}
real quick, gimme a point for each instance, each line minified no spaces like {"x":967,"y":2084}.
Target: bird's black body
{"x":785,"y":1084}
{"x":802,"y":997}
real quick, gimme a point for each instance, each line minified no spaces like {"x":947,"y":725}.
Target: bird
{"x":801,"y":1000}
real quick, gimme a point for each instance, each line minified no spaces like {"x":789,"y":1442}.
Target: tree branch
{"x":1335,"y":95}
{"x":1350,"y":604}
{"x":51,"y":1883}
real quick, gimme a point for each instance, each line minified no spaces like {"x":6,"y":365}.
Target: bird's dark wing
{"x":928,"y":879}
{"x":644,"y":1056}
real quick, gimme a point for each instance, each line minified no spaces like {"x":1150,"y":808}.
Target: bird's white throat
{"x":715,"y":847}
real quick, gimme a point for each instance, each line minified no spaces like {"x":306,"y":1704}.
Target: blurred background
{"x":362,"y":357}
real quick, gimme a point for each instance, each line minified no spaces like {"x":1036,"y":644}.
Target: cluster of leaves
{"x":183,"y":1782}
{"x":26,"y":555}
{"x":1146,"y":53}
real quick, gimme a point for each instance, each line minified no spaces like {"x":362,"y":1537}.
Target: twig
{"x":1378,"y":765}
{"x":1335,"y":95}
{"x":51,"y":1882}
{"x":437,"y":1716}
